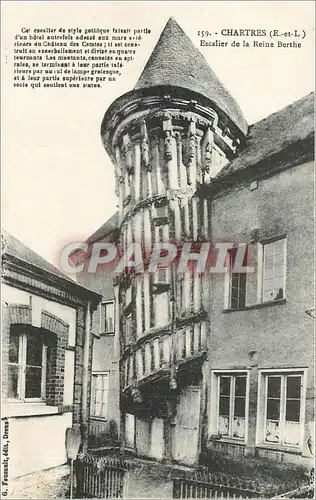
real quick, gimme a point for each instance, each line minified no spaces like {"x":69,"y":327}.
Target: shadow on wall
{"x":102,"y":433}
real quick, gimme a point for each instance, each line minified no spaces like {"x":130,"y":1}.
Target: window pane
{"x":103,"y":414}
{"x":97,"y":382}
{"x":279,"y":265}
{"x":104,"y":382}
{"x":268,"y":282}
{"x":109,"y":309}
{"x":273,"y":282}
{"x":223,"y":425}
{"x":161,"y":211}
{"x":293,"y":387}
{"x":97,"y":397}
{"x":100,"y":388}
{"x":235,"y":293}
{"x":238,"y":427}
{"x":33,"y":382}
{"x":240,"y":404}
{"x":273,"y":409}
{"x":34,"y":348}
{"x":268,"y":274}
{"x":109,"y":317}
{"x":269,"y":249}
{"x":279,"y":246}
{"x":162,"y":275}
{"x":242,"y":296}
{"x":292,"y":433}
{"x":268,"y":294}
{"x":234,"y":304}
{"x":293,"y":410}
{"x":274,"y":387}
{"x":235,"y":280}
{"x":109,"y":325}
{"x":238,"y":290}
{"x":14,"y":348}
{"x":268,"y":261}
{"x":240,"y":386}
{"x":13,"y":381}
{"x":272,"y":432}
{"x":225,"y":386}
{"x":223,"y":405}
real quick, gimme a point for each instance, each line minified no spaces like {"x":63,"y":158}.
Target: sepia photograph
{"x":158,"y":313}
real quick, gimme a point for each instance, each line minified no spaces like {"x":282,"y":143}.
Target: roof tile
{"x":176,"y":62}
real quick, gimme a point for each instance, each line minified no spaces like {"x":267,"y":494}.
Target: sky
{"x":57,"y":179}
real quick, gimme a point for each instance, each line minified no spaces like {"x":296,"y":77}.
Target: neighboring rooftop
{"x":108,"y":228}
{"x":282,"y":135}
{"x":176,"y":62}
{"x":12,"y":247}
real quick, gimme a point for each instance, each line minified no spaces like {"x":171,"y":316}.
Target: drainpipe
{"x":85,"y":379}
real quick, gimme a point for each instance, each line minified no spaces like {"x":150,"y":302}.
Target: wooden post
{"x":85,"y":380}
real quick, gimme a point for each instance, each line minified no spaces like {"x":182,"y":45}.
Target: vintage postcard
{"x":158,"y":314}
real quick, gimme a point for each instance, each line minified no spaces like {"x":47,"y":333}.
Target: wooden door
{"x":186,"y":431}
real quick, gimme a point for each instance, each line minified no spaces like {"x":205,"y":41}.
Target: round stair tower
{"x":167,"y":137}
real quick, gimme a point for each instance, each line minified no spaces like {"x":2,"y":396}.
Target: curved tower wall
{"x":163,"y":148}
{"x":167,"y":138}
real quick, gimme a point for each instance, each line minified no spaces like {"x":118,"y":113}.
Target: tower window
{"x":162,"y":275}
{"x":161,"y":211}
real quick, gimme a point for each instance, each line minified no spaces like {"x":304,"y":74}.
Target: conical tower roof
{"x":176,"y":62}
{"x":177,"y":67}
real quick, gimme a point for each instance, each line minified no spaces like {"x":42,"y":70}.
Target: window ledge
{"x":27,"y":409}
{"x":295,"y":450}
{"x":227,"y":440}
{"x":277,"y":302}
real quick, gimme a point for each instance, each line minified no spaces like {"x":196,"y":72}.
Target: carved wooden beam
{"x":128,"y":154}
{"x":191,"y":150}
{"x":167,"y":130}
{"x":208,"y":155}
{"x":144,"y":147}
